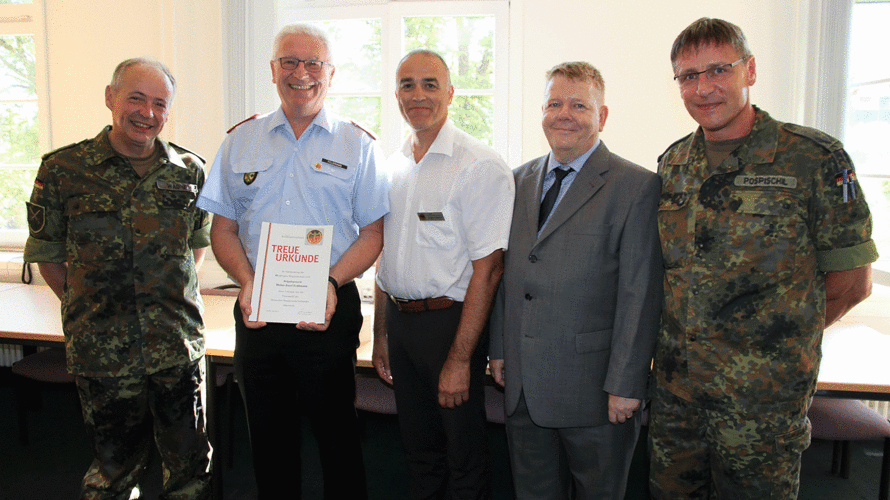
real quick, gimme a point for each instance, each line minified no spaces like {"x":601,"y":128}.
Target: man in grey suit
{"x":575,"y":320}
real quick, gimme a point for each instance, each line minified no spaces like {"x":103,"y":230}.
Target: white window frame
{"x":251,"y":91}
{"x":29,"y":19}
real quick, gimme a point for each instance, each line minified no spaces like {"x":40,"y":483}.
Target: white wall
{"x":86,"y":39}
{"x":628,"y":41}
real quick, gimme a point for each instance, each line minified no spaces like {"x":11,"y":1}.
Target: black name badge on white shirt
{"x":430,"y":216}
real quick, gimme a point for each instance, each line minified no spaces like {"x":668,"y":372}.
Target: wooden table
{"x":855,"y":361}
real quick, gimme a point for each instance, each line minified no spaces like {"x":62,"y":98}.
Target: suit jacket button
{"x":528,"y":297}
{"x":532,"y":259}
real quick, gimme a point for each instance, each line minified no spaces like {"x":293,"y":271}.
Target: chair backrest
{"x":45,"y":366}
{"x":846,"y":420}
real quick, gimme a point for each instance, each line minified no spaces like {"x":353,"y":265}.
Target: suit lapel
{"x":529,"y":190}
{"x":586,"y":184}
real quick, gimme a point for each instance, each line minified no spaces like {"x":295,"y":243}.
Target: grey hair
{"x":121,"y":68}
{"x":427,"y":52}
{"x":303,"y":29}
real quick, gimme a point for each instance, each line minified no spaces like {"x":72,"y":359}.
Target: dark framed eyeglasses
{"x":311,"y":65}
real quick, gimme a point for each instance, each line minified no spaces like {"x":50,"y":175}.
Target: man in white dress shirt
{"x":444,"y":239}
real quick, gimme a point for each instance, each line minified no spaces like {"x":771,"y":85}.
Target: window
{"x":867,"y":121}
{"x":369,"y":40}
{"x":23,"y":117}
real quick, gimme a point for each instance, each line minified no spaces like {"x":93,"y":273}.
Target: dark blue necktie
{"x":552,"y":195}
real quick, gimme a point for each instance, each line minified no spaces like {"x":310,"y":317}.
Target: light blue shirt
{"x":329,"y":176}
{"x":550,"y":177}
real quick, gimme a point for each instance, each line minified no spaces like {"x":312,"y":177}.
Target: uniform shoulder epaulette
{"x":821,"y":138}
{"x":678,"y":141}
{"x":63,"y":148}
{"x":239,"y":123}
{"x":363,"y":129}
{"x":180,"y":149}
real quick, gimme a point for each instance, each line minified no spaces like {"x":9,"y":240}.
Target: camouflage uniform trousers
{"x":701,"y":454}
{"x":125,"y":415}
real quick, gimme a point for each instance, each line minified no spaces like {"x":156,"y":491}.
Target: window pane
{"x":474,"y":115}
{"x":355,"y":44}
{"x":19,"y":136}
{"x":365,"y":111}
{"x":16,"y":190}
{"x":466,"y":43}
{"x":17,"y":78}
{"x":867,"y":124}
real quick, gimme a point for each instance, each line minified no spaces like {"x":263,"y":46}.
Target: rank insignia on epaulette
{"x":846,"y":180}
{"x":239,"y":123}
{"x":317,"y":166}
{"x":249,"y":177}
{"x":36,"y":217}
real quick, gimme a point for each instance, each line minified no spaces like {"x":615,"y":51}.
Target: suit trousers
{"x":581,"y":463}
{"x":446,"y":448}
{"x":284,"y":373}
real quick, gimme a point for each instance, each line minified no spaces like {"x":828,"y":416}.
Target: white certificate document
{"x":291,"y":280}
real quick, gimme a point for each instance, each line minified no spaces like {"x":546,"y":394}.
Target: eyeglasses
{"x":714,"y":74}
{"x":311,"y":65}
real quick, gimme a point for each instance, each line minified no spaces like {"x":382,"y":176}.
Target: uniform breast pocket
{"x":766,"y":232}
{"x":95,"y":230}
{"x":178,"y":200}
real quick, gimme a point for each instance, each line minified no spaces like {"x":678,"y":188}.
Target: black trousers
{"x":446,"y":448}
{"x":283,"y":373}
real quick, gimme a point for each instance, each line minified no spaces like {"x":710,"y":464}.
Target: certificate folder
{"x":290,"y":284}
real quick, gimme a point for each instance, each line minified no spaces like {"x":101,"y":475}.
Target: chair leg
{"x":836,"y":457}
{"x":231,"y":393}
{"x":884,"y":488}
{"x":845,"y":460}
{"x":21,"y":401}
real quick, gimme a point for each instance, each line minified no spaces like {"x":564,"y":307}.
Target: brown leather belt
{"x":416,"y":306}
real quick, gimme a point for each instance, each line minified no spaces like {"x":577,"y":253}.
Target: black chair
{"x":48,"y":366}
{"x":845,"y":420}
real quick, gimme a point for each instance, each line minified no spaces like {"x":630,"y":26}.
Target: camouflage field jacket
{"x":131,"y":304}
{"x":745,"y":247}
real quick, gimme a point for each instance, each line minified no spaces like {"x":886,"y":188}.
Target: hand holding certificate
{"x":291,"y":280}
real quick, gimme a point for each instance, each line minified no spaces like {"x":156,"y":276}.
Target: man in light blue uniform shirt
{"x":299,"y":165}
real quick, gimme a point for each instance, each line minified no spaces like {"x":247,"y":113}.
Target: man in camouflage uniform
{"x":117,"y":236}
{"x":766,"y":239}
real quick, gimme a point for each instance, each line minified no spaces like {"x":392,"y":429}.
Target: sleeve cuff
{"x":44,"y":251}
{"x":201,"y":237}
{"x":844,"y":259}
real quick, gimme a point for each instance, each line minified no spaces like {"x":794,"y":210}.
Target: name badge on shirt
{"x":782,"y":181}
{"x":332,"y":162}
{"x":177,"y":186}
{"x":430,"y":216}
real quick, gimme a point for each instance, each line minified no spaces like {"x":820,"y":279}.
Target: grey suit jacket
{"x":578,"y":308}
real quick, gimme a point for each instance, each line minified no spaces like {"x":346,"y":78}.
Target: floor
{"x":52,"y":465}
